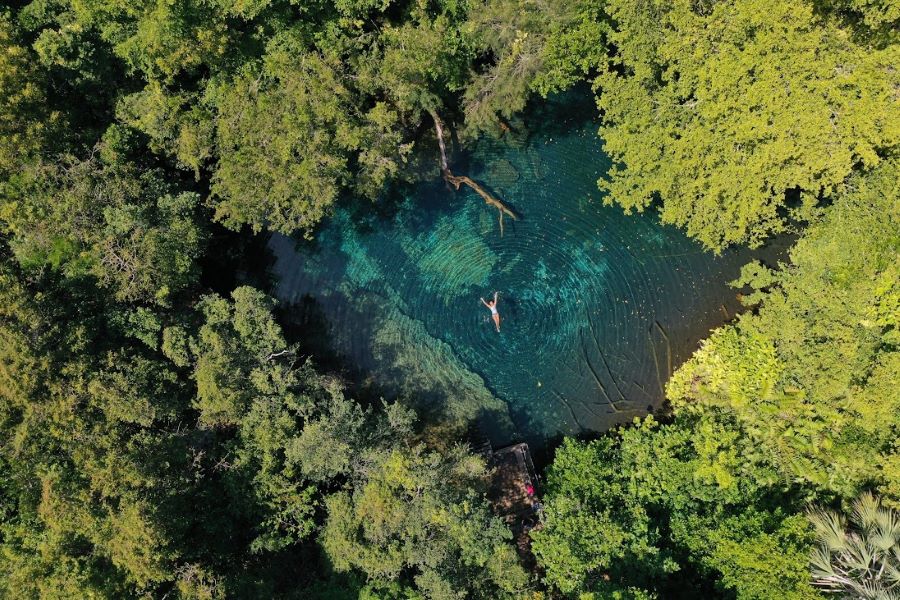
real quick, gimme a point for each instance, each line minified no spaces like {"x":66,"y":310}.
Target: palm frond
{"x":886,"y":534}
{"x":892,"y":574}
{"x":865,"y":511}
{"x":862,"y":561}
{"x":829,"y":527}
{"x":820,"y":563}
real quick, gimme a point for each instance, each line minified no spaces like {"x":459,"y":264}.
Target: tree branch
{"x":457,"y":180}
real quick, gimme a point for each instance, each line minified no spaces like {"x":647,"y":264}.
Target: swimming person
{"x":493,"y":307}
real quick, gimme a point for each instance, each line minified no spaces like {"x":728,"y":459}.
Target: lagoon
{"x":598,"y":307}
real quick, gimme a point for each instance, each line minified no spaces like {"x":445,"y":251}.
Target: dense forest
{"x":165,"y":435}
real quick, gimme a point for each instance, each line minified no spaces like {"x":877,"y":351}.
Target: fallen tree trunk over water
{"x":458,"y":180}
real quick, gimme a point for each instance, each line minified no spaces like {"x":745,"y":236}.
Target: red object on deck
{"x":529,"y":489}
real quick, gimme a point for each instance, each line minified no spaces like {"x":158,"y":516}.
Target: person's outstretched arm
{"x":483,"y":301}
{"x":495,"y":297}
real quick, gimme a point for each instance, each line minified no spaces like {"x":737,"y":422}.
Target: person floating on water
{"x":493,"y":308}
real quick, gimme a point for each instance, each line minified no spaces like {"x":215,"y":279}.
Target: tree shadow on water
{"x":390,"y":375}
{"x":559,"y":114}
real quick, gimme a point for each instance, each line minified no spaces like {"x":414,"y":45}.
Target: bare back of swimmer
{"x":493,"y":308}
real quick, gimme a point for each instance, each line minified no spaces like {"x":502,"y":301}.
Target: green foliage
{"x":721,"y":111}
{"x":295,"y":428}
{"x":109,"y":220}
{"x":233,"y":344}
{"x":177,"y":124}
{"x":591,"y":523}
{"x":162,"y":440}
{"x":422,"y":512}
{"x":654,"y":507}
{"x":290,"y":109}
{"x":812,"y":375}
{"x":24,"y":119}
{"x":759,"y":554}
{"x":574,"y":49}
{"x":536,"y":46}
{"x":283,"y":136}
{"x":159,"y":440}
{"x":514,"y":32}
{"x":287,"y":131}
{"x":420,"y":61}
{"x":151,"y":251}
{"x":794,"y":401}
{"x":879,"y":18}
{"x":103,"y":488}
{"x":79,"y":417}
{"x":159,"y":39}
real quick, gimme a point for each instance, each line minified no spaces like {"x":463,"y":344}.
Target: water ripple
{"x":596,"y":306}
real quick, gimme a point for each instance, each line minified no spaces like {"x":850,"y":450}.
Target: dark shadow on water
{"x":369,"y":215}
{"x":306,"y":324}
{"x":235,"y":259}
{"x":561,"y":113}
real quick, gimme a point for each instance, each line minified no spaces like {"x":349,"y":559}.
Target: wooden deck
{"x":512,"y":475}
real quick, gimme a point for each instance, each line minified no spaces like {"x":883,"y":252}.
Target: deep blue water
{"x":598,"y":307}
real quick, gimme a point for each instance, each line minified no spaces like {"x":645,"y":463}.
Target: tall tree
{"x":81,"y":415}
{"x":126,"y":226}
{"x":724,"y":111}
{"x":812,"y":375}
{"x":671,"y":511}
{"x":424,"y":514}
{"x":25,"y":121}
{"x":532,"y":46}
{"x":284,"y":133}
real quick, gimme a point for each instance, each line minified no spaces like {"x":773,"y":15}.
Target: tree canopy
{"x":164,"y":434}
{"x":737,"y":116}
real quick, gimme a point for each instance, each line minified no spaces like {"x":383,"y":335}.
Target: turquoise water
{"x":598,"y":307}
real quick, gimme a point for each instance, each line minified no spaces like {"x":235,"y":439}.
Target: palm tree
{"x":862,"y":561}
